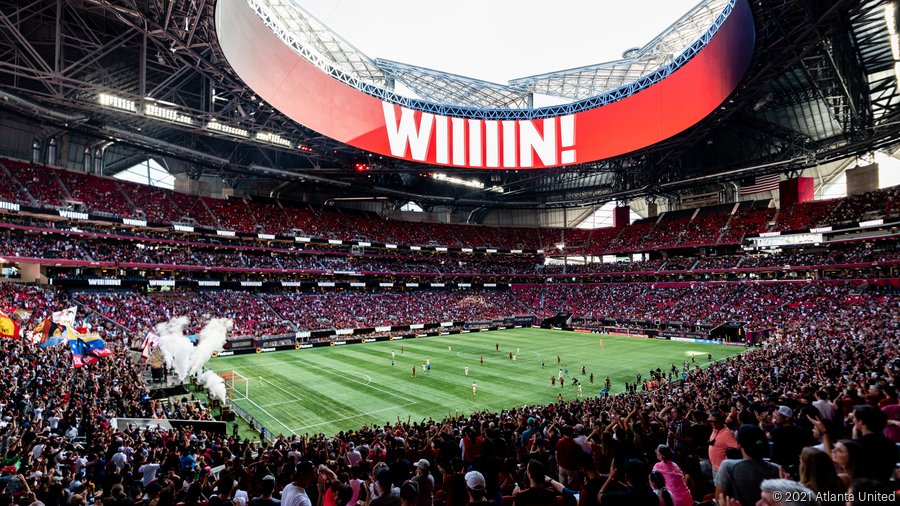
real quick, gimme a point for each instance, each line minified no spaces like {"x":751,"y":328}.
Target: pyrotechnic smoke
{"x":176,"y":348}
{"x":181,"y":355}
{"x":214,"y":384}
{"x":212,"y":340}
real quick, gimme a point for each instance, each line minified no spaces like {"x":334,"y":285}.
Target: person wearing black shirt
{"x":266,"y":488}
{"x":535,"y":494}
{"x":879,"y":454}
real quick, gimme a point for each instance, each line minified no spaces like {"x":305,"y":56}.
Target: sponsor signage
{"x":267,"y":237}
{"x":162,"y":282}
{"x":303,"y":239}
{"x":183,"y":228}
{"x":820,"y":230}
{"x":785,"y":240}
{"x":9,"y":206}
{"x":343,"y":332}
{"x":225,"y":233}
{"x":267,"y":349}
{"x":133,"y":222}
{"x":305,"y":346}
{"x":385,"y":285}
{"x":208,"y":283}
{"x":357,"y":284}
{"x":416,"y":326}
{"x":72,"y":215}
{"x":335,"y":241}
{"x":226,"y":353}
{"x":251,"y":283}
{"x":383,"y":329}
{"x":302,"y":334}
{"x":446,"y":324}
{"x":105,"y":282}
{"x":871,"y":223}
{"x":325,"y":283}
{"x":291,"y":283}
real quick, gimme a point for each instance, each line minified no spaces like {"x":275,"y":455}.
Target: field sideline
{"x":342,"y":388}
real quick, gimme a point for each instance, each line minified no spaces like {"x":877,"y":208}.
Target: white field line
{"x":270,"y":415}
{"x":354,"y":416}
{"x":277,"y":404}
{"x":264,"y":380}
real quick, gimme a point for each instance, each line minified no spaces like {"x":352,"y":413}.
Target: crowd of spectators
{"x":815,"y":410}
{"x":50,"y":187}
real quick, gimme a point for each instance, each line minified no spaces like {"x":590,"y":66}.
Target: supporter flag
{"x":96,"y":346}
{"x":86,"y":349}
{"x":66,"y":317}
{"x":8,"y":327}
{"x":21,"y":315}
{"x":149,"y":342}
{"x":760,"y":184}
{"x":47,"y":334}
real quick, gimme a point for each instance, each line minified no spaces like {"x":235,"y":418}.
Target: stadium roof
{"x":822,"y":87}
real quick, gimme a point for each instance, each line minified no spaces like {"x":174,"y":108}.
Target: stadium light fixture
{"x":273,"y":138}
{"x":890,"y":19}
{"x":227,"y":129}
{"x":167,"y":114}
{"x":115,"y":102}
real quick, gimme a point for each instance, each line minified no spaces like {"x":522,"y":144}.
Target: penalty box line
{"x":367,"y":413}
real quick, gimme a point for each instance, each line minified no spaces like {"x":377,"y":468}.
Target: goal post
{"x":237,"y":387}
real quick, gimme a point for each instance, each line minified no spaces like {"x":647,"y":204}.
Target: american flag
{"x":761,"y":184}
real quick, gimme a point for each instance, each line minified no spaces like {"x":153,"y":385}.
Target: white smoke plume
{"x":176,"y":348}
{"x":183,"y":356}
{"x":214,"y":384}
{"x":211,"y":340}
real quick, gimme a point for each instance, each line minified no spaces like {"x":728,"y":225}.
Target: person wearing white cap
{"x":476,"y":486}
{"x":425,"y":481}
{"x":787,"y":439}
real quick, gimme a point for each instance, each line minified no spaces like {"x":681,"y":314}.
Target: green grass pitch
{"x":343,"y":388}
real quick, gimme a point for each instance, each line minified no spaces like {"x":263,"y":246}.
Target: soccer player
{"x":518,"y":350}
{"x":414,"y":371}
{"x":601,"y":343}
{"x":482,"y":360}
{"x":474,"y":388}
{"x":559,"y":397}
{"x":392,"y":355}
{"x":514,"y":358}
{"x":428,"y":364}
{"x":583,"y":370}
{"x":497,"y":346}
{"x":562,"y":382}
{"x":566,"y":370}
{"x":542,"y":364}
{"x":423,"y":369}
{"x":552,"y":380}
{"x":608,"y":383}
{"x":579,"y":390}
{"x":401,"y":350}
{"x":560,"y":374}
{"x":592,"y":378}
{"x":467,"y":370}
{"x":510,"y":355}
{"x":709,"y":357}
{"x":392,"y":361}
{"x":557,"y":360}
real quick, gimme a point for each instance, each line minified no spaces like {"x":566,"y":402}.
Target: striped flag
{"x":760,"y":184}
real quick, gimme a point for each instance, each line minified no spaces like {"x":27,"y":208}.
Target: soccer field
{"x":339,"y":388}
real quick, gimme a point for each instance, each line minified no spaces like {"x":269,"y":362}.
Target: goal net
{"x":237,"y":387}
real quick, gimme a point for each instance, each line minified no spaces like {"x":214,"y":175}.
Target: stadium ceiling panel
{"x":445,"y":88}
{"x":592,"y":80}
